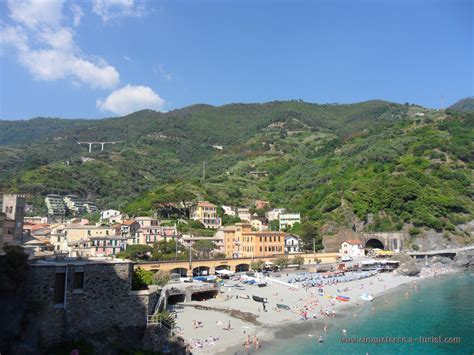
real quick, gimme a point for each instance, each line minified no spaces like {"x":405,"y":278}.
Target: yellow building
{"x":241,"y":241}
{"x":206,"y":213}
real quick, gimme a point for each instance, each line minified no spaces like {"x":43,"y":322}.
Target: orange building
{"x":241,"y":241}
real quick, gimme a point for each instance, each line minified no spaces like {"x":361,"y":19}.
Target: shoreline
{"x":269,"y":325}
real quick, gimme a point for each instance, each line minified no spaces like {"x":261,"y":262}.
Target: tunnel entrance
{"x":174,"y":299}
{"x":373,"y":244}
{"x":202,"y":296}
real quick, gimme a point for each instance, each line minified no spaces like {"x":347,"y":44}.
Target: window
{"x":78,"y":282}
{"x":59,"y":288}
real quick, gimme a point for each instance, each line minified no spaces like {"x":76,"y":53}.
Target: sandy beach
{"x":203,"y":323}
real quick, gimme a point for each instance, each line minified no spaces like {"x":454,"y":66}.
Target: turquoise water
{"x":441,"y":307}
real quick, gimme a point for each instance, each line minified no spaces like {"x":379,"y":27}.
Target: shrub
{"x":282,"y":262}
{"x":414,"y":231}
{"x":141,"y":279}
{"x":257,"y":265}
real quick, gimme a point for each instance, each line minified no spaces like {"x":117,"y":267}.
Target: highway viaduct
{"x":186,"y":268}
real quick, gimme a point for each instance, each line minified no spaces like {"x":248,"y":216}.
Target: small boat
{"x":343,"y":298}
{"x":259,"y":299}
{"x":262,"y":284}
{"x":246,"y":297}
{"x":283,"y":306}
{"x":367,"y":297}
{"x":320,"y":338}
{"x":239,"y":287}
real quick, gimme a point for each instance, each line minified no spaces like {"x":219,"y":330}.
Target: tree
{"x":274,"y":225}
{"x":257,"y":265}
{"x":219,"y":256}
{"x":169,"y":250}
{"x":136,"y":251}
{"x":298,"y":260}
{"x":204,"y":247}
{"x":309,"y":231}
{"x":141,"y":279}
{"x":282,"y":262}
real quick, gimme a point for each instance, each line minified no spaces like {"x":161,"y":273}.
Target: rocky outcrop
{"x":410,"y":268}
{"x":464,"y":259}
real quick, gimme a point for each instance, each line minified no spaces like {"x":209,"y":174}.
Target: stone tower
{"x":14,"y":208}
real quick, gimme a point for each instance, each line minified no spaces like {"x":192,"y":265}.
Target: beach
{"x":203,"y":324}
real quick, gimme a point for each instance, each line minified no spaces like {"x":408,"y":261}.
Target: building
{"x":112,"y":216}
{"x":147,"y":222}
{"x":287,"y":220}
{"x":352,"y":248}
{"x":292,"y":244}
{"x":36,"y":220}
{"x":74,"y":204}
{"x":206,"y":213}
{"x":90,"y":207}
{"x":2,"y":222}
{"x":14,"y":208}
{"x":188,"y":241}
{"x":241,"y":241}
{"x":274,"y":214}
{"x":8,"y":230}
{"x":74,"y":297}
{"x":261,"y":204}
{"x":108,"y":245}
{"x":244,"y":214}
{"x":56,"y":207}
{"x":229,"y":210}
{"x":129,"y":230}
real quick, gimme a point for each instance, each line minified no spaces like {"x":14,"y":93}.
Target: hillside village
{"x":114,"y":232}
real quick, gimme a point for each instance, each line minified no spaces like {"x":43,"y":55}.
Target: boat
{"x":239,"y":287}
{"x":259,"y":299}
{"x":262,"y":284}
{"x":367,"y":297}
{"x":320,"y":338}
{"x":246,"y":297}
{"x":283,"y":306}
{"x":343,"y":298}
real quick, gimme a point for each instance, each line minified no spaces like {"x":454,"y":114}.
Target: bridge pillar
{"x":90,"y":147}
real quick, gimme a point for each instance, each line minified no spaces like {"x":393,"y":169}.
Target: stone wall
{"x":106,"y":301}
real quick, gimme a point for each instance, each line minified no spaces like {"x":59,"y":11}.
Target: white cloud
{"x":48,"y":50}
{"x":130,"y":99}
{"x":36,"y":13}
{"x":77,"y":14}
{"x":112,"y":9}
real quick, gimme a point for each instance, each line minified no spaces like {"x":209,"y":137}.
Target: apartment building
{"x":74,"y":204}
{"x":56,"y":207}
{"x":274,"y":214}
{"x":241,"y":241}
{"x":287,"y":220}
{"x":244,"y":214}
{"x":206,"y":213}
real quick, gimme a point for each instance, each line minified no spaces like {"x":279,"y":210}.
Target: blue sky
{"x":89,"y":59}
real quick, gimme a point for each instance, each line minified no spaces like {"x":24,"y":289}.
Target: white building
{"x":292,"y":244}
{"x":244,"y":214}
{"x":229,"y":210}
{"x":274,"y":214}
{"x":109,"y":213}
{"x":352,"y":248}
{"x":287,"y":220}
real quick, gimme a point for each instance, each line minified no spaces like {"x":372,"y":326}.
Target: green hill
{"x":395,"y":166}
{"x":464,"y":105}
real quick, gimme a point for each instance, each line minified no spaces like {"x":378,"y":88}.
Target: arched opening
{"x":223,"y":267}
{"x":201,"y":271}
{"x":202,"y":296}
{"x":374,"y":244}
{"x":179,"y":272}
{"x":174,"y":299}
{"x":242,"y":267}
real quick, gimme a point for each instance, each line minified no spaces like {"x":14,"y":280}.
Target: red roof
{"x":205,"y":204}
{"x":128,"y":222}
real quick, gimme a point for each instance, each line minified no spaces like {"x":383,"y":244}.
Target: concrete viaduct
{"x":184,"y":268}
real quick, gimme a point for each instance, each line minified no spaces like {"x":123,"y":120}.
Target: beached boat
{"x":343,"y":298}
{"x":283,"y":306}
{"x":367,"y":297}
{"x":259,"y":299}
{"x":262,"y":284}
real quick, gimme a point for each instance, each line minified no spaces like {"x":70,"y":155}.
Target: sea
{"x":436,"y":317}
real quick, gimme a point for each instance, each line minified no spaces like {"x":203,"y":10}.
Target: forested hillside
{"x":375,"y":165}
